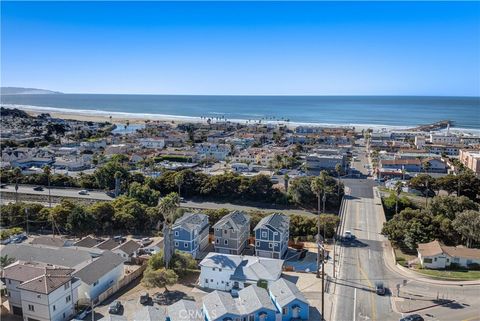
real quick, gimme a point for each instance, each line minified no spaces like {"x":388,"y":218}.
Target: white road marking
{"x":355,"y":304}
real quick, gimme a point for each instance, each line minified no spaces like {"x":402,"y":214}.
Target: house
{"x":211,"y":150}
{"x":40,"y":292}
{"x":231,"y":233}
{"x":253,"y":304}
{"x":128,"y":250}
{"x":88,"y":241}
{"x":271,"y":236}
{"x":471,"y":159}
{"x":116,"y":149}
{"x":190,"y":233}
{"x":317,"y":162}
{"x":435,"y":255}
{"x":51,"y":241}
{"x":444,"y":139}
{"x":109,"y":244}
{"x":98,"y":270}
{"x":150,"y":313}
{"x":99,"y":275}
{"x":228,"y":271}
{"x":152,"y":143}
{"x":289,"y":300}
{"x":184,"y":310}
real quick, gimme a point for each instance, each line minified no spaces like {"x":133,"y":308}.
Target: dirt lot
{"x":130,"y":296}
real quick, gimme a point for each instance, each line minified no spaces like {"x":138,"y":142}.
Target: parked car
{"x":348,"y":235}
{"x":146,"y":241}
{"x":83,"y":192}
{"x":144,"y":298}
{"x":379,"y":288}
{"x":116,"y":308}
{"x":412,"y":317}
{"x":6,"y":241}
{"x":3,"y":185}
{"x":83,"y":314}
{"x":18,"y":238}
{"x":119,"y":238}
{"x":38,"y":188}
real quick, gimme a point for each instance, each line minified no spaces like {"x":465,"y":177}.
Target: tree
{"x":286,"y":179}
{"x":183,"y":262}
{"x":467,"y":224}
{"x":103,"y":213}
{"x":426,"y":166}
{"x":160,"y":278}
{"x":423,"y":183}
{"x":6,"y":260}
{"x":129,"y":213}
{"x":398,"y":190}
{"x":338,"y":169}
{"x":179,"y":178}
{"x":167,"y":207}
{"x":318,"y":187}
{"x":143,"y":194}
{"x":80,"y":221}
{"x":448,"y":183}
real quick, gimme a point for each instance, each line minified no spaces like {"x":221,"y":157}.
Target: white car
{"x":83,"y":192}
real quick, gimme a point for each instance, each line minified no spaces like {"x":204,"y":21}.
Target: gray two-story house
{"x":231,"y":233}
{"x":190,"y":233}
{"x":271,"y":236}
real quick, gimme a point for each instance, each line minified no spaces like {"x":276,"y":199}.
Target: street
{"x":57,"y":192}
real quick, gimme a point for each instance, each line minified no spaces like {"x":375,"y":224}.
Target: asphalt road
{"x":361,"y":260}
{"x":58,"y":192}
{"x":361,"y":265}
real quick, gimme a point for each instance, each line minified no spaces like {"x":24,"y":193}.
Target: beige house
{"x":435,"y":255}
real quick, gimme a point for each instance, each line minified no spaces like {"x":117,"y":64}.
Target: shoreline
{"x":140,"y":119}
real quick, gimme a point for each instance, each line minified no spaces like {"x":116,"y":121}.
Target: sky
{"x":243,"y":48}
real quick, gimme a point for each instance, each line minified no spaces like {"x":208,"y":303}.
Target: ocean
{"x":375,"y":111}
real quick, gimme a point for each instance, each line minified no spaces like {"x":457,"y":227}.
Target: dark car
{"x":38,"y":188}
{"x":3,"y":185}
{"x":116,"y":308}
{"x":379,"y":288}
{"x":412,"y":317}
{"x":144,"y":298}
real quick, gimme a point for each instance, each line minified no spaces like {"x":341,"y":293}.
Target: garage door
{"x":17,"y":310}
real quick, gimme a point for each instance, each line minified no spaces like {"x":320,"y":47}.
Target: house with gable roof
{"x":190,"y":233}
{"x":271,"y":236}
{"x":231,"y":233}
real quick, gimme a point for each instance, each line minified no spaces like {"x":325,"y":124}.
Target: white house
{"x":39,"y":292}
{"x":152,"y":143}
{"x":216,"y":151}
{"x":228,"y":271}
{"x":435,"y":255}
{"x":444,"y":139}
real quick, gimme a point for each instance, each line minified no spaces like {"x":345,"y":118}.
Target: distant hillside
{"x":25,"y":91}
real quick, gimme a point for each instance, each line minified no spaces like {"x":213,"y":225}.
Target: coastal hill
{"x":25,"y":91}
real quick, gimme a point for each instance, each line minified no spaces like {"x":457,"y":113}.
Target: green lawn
{"x":451,"y":275}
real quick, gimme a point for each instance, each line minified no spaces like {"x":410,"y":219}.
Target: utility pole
{"x":318,"y":237}
{"x":323,"y":282}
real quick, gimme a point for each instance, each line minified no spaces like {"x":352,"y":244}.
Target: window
{"x":427,"y":260}
{"x":38,"y":296}
{"x":270,"y":245}
{"x":185,"y":244}
{"x":435,"y":259}
{"x":264,"y":234}
{"x":176,"y":244}
{"x":225,"y":242}
{"x":217,"y":241}
{"x":251,"y":317}
{"x":224,"y":231}
{"x":275,"y":233}
{"x":284,"y":310}
{"x":68,"y":299}
{"x":31,"y":308}
{"x":67,"y":285}
{"x":219,"y":269}
{"x":257,"y":243}
{"x":456,"y":260}
{"x":54,"y":308}
{"x":95,"y":283}
{"x":206,"y":280}
{"x":9,"y":281}
{"x":213,"y":269}
{"x":176,"y":233}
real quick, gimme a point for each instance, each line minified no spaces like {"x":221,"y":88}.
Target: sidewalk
{"x":409,"y":303}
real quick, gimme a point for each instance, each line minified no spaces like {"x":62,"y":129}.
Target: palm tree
{"x":5,"y":260}
{"x":179,"y":178}
{"x":167,"y":207}
{"x":48,"y":172}
{"x":17,"y":172}
{"x":426,"y":166}
{"x":117,"y":177}
{"x":338,"y":169}
{"x":398,"y":191}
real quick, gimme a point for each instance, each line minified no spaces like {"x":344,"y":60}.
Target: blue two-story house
{"x":271,"y":236}
{"x":190,"y":233}
{"x":289,"y":301}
